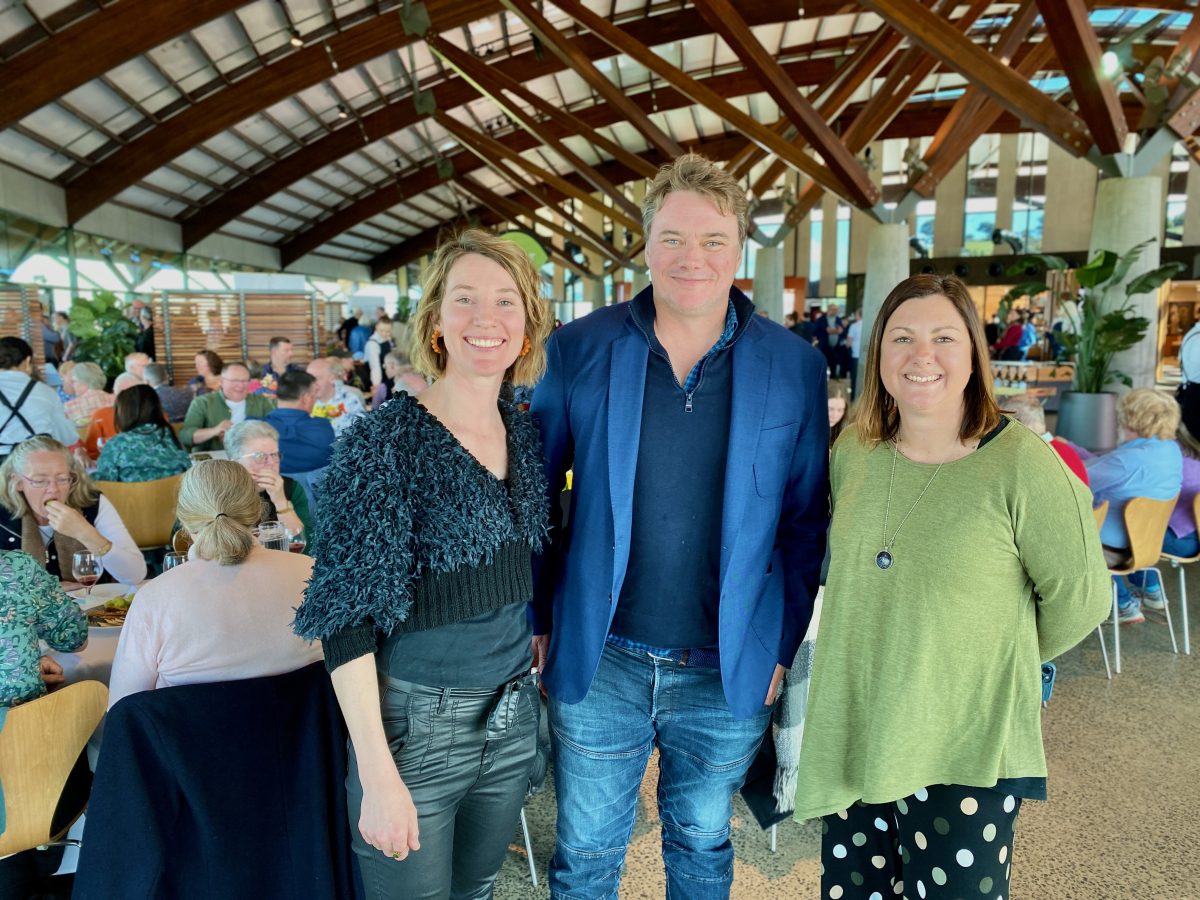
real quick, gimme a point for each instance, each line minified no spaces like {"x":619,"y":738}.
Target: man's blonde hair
{"x":695,"y":173}
{"x":539,"y":321}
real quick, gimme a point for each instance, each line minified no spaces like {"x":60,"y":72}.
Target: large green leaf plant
{"x":105,"y":335}
{"x":1101,"y":318}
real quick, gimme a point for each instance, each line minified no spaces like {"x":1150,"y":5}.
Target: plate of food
{"x":100,"y":595}
{"x":110,"y":615}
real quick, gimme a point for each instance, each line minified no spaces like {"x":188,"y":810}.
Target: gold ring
{"x":395,"y":856}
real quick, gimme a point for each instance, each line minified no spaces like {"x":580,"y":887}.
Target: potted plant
{"x":106,"y":335}
{"x":1101,"y":323}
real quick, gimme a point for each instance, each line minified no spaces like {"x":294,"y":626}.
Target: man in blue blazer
{"x":676,"y":595}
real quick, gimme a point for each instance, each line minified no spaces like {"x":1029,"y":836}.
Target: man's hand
{"x":541,"y":649}
{"x":51,"y":672}
{"x":776,"y":680}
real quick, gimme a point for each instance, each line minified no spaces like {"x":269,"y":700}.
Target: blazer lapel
{"x":626,"y":390}
{"x":751,"y":380}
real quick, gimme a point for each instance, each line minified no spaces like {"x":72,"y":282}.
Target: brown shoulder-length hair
{"x":539,"y":321}
{"x":877,"y":417}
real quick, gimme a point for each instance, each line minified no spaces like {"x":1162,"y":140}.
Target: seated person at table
{"x":305,"y":442}
{"x":255,"y":445}
{"x":340,"y":404}
{"x":27,"y":407}
{"x":226,"y":613}
{"x":88,"y":393}
{"x":175,"y":400}
{"x":208,"y":373}
{"x":1148,"y":464}
{"x":214,"y":413}
{"x":1028,"y":410}
{"x":145,"y":447}
{"x":32,"y":607}
{"x":103,"y":426}
{"x":50,"y":509}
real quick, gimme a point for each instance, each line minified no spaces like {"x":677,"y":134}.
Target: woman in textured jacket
{"x":429,"y":515}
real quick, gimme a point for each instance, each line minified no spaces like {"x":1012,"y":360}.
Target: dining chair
{"x":39,"y":745}
{"x":146,"y":507}
{"x":1146,"y":523}
{"x":1177,"y":563}
{"x":1100,"y":513}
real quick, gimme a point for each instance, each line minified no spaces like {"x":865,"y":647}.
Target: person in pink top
{"x":1028,"y":411}
{"x":226,"y":613}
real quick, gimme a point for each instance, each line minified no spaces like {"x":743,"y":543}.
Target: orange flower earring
{"x":437,"y":336}
{"x":526,"y":346}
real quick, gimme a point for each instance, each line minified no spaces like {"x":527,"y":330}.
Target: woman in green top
{"x":145,"y":448}
{"x":964,"y":553}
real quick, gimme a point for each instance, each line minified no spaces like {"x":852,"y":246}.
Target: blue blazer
{"x":776,"y":513}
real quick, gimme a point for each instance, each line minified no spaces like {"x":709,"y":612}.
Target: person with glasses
{"x":50,"y":509}
{"x":255,"y":445}
{"x":211,"y":415}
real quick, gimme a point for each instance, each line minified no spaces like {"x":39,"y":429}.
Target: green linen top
{"x":930,"y":672}
{"x":144,"y":453}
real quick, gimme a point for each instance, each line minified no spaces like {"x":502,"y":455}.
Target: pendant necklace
{"x":884,"y":557}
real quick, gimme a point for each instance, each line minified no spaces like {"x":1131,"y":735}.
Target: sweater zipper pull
{"x":687,"y":403}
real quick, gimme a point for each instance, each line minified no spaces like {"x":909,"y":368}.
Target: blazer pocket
{"x":773,"y":458}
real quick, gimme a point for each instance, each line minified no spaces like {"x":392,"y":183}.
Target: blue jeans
{"x":1148,"y":581}
{"x":601,"y":746}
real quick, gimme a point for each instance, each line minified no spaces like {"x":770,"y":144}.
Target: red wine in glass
{"x":88,"y":580}
{"x":87,"y":569}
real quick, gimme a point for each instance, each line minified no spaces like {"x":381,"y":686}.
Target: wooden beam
{"x":1079,"y":52}
{"x":585,"y":69}
{"x":982,"y":69}
{"x":110,"y":36}
{"x":812,"y":125}
{"x":705,"y":96}
{"x":1185,"y":57}
{"x":484,"y":80}
{"x":492,"y":148}
{"x":244,"y":98}
{"x":974,"y":112}
{"x":491,"y":153}
{"x":455,"y":92}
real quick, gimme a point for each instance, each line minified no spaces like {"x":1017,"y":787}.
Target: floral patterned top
{"x":32,"y":607}
{"x":143,"y":454}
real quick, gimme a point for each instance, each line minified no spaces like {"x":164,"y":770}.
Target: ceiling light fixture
{"x":343,"y":113}
{"x":296,"y":40}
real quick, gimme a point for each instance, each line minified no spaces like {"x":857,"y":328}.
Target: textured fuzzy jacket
{"x":405,"y":507}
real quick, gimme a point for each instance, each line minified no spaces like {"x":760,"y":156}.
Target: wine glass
{"x":87,"y":568}
{"x":181,"y":541}
{"x":272,"y":535}
{"x":172,"y":559}
{"x":296,"y":542}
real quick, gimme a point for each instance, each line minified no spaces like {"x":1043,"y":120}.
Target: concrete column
{"x":768,"y":281}
{"x":1191,"y":213}
{"x":1070,"y":201}
{"x":951,"y":198}
{"x":593,"y":289}
{"x":887,"y":266}
{"x":829,"y":241}
{"x":1006,"y":181}
{"x":1129,"y":210}
{"x":861,"y":224}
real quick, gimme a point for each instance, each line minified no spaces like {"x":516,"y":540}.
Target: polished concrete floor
{"x":1122,"y":822}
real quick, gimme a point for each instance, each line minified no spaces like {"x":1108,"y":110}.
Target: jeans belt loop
{"x":683,"y":657}
{"x":444,"y":696}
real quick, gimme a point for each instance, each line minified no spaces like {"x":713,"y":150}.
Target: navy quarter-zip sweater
{"x":671,"y":594}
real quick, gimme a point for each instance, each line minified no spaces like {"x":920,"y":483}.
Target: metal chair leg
{"x":1116,"y":632}
{"x":1104,"y":651}
{"x":1183,"y":617}
{"x":774,"y":837}
{"x":528,"y":849}
{"x":1162,"y":587}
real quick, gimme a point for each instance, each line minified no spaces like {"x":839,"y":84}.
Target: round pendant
{"x":883,"y":559}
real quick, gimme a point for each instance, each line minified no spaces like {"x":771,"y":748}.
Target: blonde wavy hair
{"x":1149,"y":414}
{"x":81,"y":495}
{"x":539,"y":322}
{"x":693,"y":172}
{"x":218,"y":505}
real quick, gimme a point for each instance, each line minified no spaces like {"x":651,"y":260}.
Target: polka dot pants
{"x":943,"y":842}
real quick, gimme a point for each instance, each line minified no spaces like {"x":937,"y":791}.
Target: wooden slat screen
{"x":198,"y":321}
{"x":285,"y":315}
{"x":18,"y":318}
{"x":238,"y":326}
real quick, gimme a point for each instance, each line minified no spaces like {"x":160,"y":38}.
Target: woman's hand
{"x":69,"y":521}
{"x":388,"y":818}
{"x":272,"y":483}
